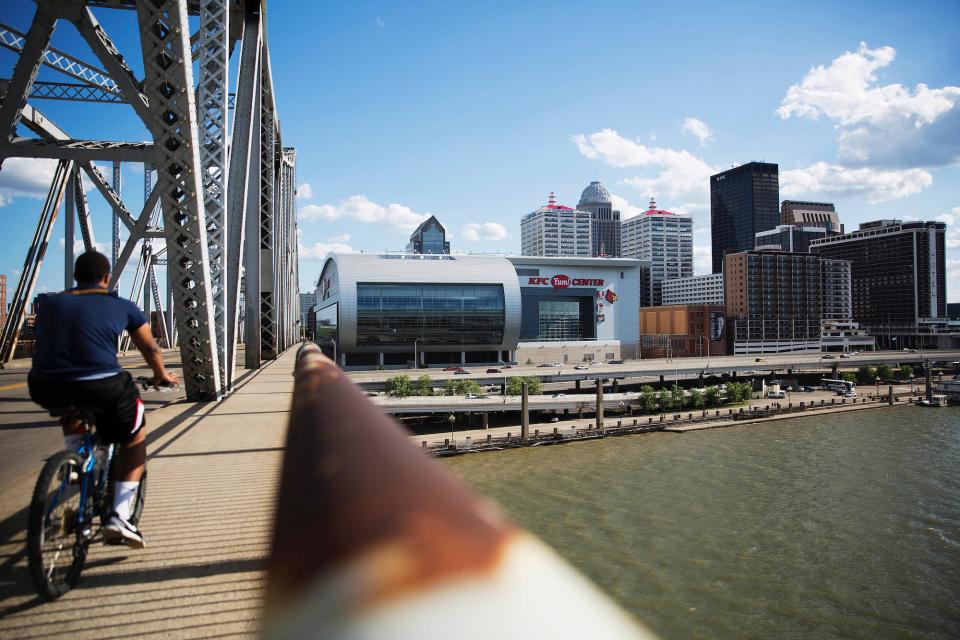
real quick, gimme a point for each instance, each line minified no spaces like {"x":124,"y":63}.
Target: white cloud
{"x":396,"y":217}
{"x":304,"y":191}
{"x":682,"y":174}
{"x":953,"y":227}
{"x":885,"y":124}
{"x":26,"y":177}
{"x":319,"y":250}
{"x":343,"y":237}
{"x":873,"y":185}
{"x":626,"y":209}
{"x":474,"y":232}
{"x":698,"y":128}
{"x":379,"y":22}
{"x":78,"y":246}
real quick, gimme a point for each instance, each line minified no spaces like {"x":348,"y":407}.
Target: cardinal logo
{"x":610,"y":296}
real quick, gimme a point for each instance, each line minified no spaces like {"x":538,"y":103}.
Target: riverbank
{"x":579,"y":429}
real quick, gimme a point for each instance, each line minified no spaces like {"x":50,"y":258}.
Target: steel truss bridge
{"x":219,"y":185}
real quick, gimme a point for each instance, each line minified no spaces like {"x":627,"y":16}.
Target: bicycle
{"x":73,"y":490}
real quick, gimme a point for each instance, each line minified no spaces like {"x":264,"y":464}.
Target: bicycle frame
{"x":88,"y":483}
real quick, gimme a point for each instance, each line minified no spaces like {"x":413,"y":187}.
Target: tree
{"x":712,"y":396}
{"x":663,"y":400}
{"x":849,"y":377}
{"x":529,"y":361}
{"x":515,"y":385}
{"x":739,"y":392}
{"x":648,"y":398}
{"x":677,"y":398}
{"x":866,"y":375}
{"x":399,"y":386}
{"x":424,"y":386}
{"x":696,"y":398}
{"x":461,"y":387}
{"x":906,"y":371}
{"x":884,"y":372}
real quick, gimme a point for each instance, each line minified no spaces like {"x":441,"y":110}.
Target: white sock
{"x":123,"y":494}
{"x":71,"y":441}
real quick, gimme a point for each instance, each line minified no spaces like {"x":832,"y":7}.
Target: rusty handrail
{"x":374,"y":539}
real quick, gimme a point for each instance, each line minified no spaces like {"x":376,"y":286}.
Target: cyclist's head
{"x":91,"y":268}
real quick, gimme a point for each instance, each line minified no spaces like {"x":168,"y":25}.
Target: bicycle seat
{"x":75,"y":409}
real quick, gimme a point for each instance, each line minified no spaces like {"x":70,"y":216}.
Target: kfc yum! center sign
{"x":562,"y":281}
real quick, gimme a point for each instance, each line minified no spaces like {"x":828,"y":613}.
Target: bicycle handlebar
{"x":146,"y":383}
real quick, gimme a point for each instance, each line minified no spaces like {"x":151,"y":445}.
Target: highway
{"x":678,"y":368}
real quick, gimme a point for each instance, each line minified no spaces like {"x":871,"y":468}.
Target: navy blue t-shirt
{"x":77,"y":332}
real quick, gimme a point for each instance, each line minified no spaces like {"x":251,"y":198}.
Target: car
{"x":849,"y":394}
{"x":828,"y":357}
{"x":494,"y":371}
{"x":809,"y":389}
{"x":614,"y":361}
{"x":559,"y":395}
{"x":472,"y":396}
{"x":582,"y":367}
{"x":372,"y":394}
{"x":776,"y":395}
{"x":759,"y":360}
{"x":558,"y":365}
{"x":541,"y":366}
{"x":450,"y":368}
{"x":554,"y":419}
{"x":844,"y":355}
{"x":460,"y":372}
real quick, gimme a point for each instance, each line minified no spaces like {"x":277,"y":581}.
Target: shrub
{"x":529,"y":361}
{"x":696,"y":398}
{"x":906,"y":371}
{"x":677,"y":398}
{"x":849,"y":377}
{"x":884,"y":372}
{"x":461,"y":387}
{"x":663,"y":400}
{"x":712,"y":396}
{"x":399,"y":386}
{"x":424,"y":386}
{"x":515,"y":385}
{"x":648,"y":398}
{"x":738,"y":392}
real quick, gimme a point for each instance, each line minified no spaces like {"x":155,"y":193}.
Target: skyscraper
{"x":429,"y":237}
{"x":811,"y":214}
{"x":604,"y":220}
{"x":666,"y":240}
{"x":743,"y":201}
{"x":555,"y":230}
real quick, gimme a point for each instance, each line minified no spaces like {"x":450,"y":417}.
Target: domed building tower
{"x":604,"y":220}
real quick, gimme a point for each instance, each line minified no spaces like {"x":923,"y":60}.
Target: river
{"x":837,"y":526}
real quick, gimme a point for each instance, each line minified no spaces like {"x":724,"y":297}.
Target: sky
{"x":474,"y":112}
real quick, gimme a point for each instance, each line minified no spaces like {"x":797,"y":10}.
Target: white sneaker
{"x":119,"y":531}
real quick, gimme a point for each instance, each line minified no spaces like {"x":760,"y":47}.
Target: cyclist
{"x":75,"y":363}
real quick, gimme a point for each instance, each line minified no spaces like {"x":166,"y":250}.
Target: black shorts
{"x":120,"y":414}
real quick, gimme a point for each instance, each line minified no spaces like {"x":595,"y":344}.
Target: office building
{"x":788,"y":237}
{"x":743,"y":201}
{"x":665,"y":240}
{"x":307,"y":302}
{"x":706,"y":289}
{"x":811,"y":214}
{"x":555,"y":230}
{"x":898,"y":279}
{"x":382,"y":309}
{"x":604,"y":221}
{"x":839,"y":332}
{"x":429,"y":237}
{"x":677,"y":331}
{"x":773,"y":302}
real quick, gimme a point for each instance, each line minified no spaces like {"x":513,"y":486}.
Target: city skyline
{"x":862,"y":111}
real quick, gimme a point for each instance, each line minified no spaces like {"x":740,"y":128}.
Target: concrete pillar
{"x":579,"y":413}
{"x":524,"y":413}
{"x":890,"y":395}
{"x":380,"y":358}
{"x":926,"y":368}
{"x":616,"y":386}
{"x":661,"y":378}
{"x":700,"y":379}
{"x":599,"y":407}
{"x":578,"y":386}
{"x":486,"y":420}
{"x":463,"y":357}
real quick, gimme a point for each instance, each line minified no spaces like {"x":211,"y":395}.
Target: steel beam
{"x":115,"y":217}
{"x":214,"y":58}
{"x":78,"y":150}
{"x":165,"y":41}
{"x":25,"y":73}
{"x":251,"y":249}
{"x":69,"y":234}
{"x":268,"y":237}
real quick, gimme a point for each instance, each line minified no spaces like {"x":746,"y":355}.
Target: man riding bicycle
{"x":75,"y":364}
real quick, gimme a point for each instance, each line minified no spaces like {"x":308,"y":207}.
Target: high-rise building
{"x":898,"y":278}
{"x":811,"y":214}
{"x":773,"y":301}
{"x":788,"y":237}
{"x":663,"y":238}
{"x":307,"y":302}
{"x":604,"y":220}
{"x":839,"y":331}
{"x":706,"y":289}
{"x":555,"y":230}
{"x":429,"y":237}
{"x":743,"y":201}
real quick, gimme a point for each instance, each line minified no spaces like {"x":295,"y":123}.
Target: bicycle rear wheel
{"x":56,"y":549}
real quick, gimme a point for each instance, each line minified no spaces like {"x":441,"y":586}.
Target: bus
{"x":843,"y":386}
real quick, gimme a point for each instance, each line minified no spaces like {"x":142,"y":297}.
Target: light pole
{"x":415,"y":362}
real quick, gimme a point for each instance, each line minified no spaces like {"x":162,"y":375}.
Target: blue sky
{"x":475,"y":111}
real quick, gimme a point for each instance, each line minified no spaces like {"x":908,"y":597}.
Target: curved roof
{"x":595,"y":192}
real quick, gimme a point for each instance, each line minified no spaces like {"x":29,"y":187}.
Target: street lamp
{"x":451,"y":419}
{"x":415,"y":361}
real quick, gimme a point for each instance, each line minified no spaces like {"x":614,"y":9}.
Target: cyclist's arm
{"x":152,"y":354}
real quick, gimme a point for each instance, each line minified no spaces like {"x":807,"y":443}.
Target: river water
{"x":838,"y":526}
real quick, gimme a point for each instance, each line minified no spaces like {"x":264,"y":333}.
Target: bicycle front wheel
{"x":56,"y":548}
